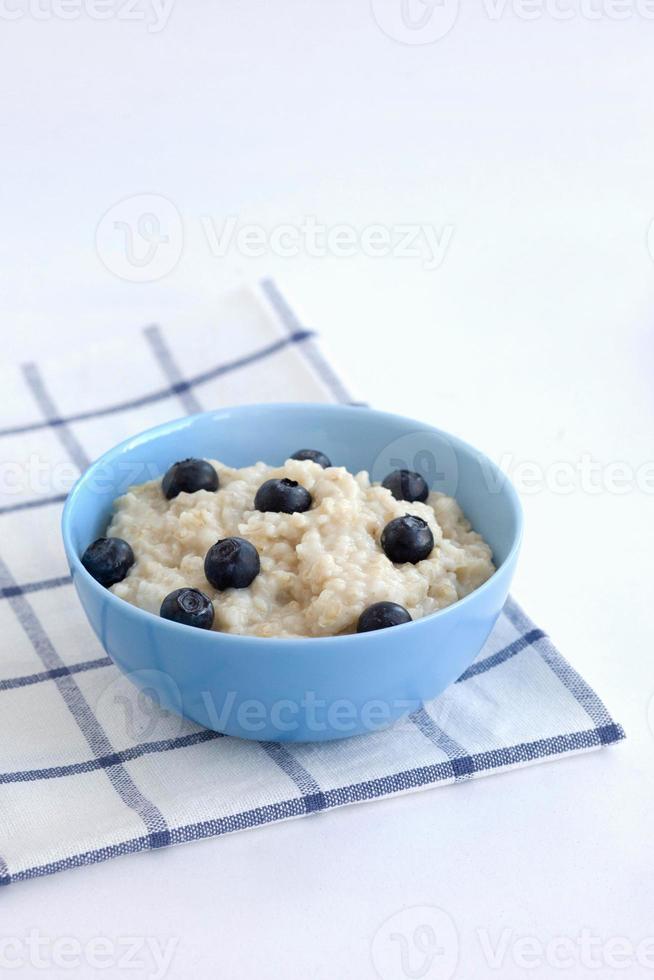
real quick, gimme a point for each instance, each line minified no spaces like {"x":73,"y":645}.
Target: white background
{"x":532,"y":140}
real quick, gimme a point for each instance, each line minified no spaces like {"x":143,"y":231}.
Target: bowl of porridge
{"x":292,"y":572}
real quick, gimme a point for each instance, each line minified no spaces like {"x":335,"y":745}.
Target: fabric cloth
{"x":89,"y":767}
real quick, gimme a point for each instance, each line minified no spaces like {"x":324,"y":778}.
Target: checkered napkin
{"x":91,"y":768}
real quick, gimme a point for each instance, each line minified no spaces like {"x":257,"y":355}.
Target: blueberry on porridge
{"x":315,"y":455}
{"x":190,"y":607}
{"x":302,"y":549}
{"x":232,"y":563}
{"x":189,"y":475}
{"x":285,"y":496}
{"x":381,"y":615}
{"x":406,"y":485}
{"x":108,"y":560}
{"x":407,"y":538}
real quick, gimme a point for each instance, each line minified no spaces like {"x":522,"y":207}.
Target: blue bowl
{"x":300,"y":689}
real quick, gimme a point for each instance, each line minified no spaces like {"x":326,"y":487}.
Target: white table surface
{"x":532,"y":140}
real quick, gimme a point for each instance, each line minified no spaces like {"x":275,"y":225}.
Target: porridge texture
{"x":320,"y":568}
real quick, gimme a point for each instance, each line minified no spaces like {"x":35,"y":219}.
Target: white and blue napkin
{"x":89,"y":767}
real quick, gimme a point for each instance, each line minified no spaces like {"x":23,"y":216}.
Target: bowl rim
{"x":147,"y":435}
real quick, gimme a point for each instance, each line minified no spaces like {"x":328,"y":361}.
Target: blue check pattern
{"x":91,"y":768}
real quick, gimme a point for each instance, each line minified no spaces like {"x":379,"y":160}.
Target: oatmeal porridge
{"x":303,"y":549}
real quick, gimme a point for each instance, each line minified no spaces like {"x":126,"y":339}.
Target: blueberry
{"x":189,"y":475}
{"x":406,"y":485}
{"x":231,"y":563}
{"x":188,"y":606}
{"x":314,"y":455}
{"x":108,"y":560}
{"x":407,"y":538}
{"x":380,"y":615}
{"x":285,"y":495}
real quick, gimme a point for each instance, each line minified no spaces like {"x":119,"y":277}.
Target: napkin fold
{"x":91,"y":768}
